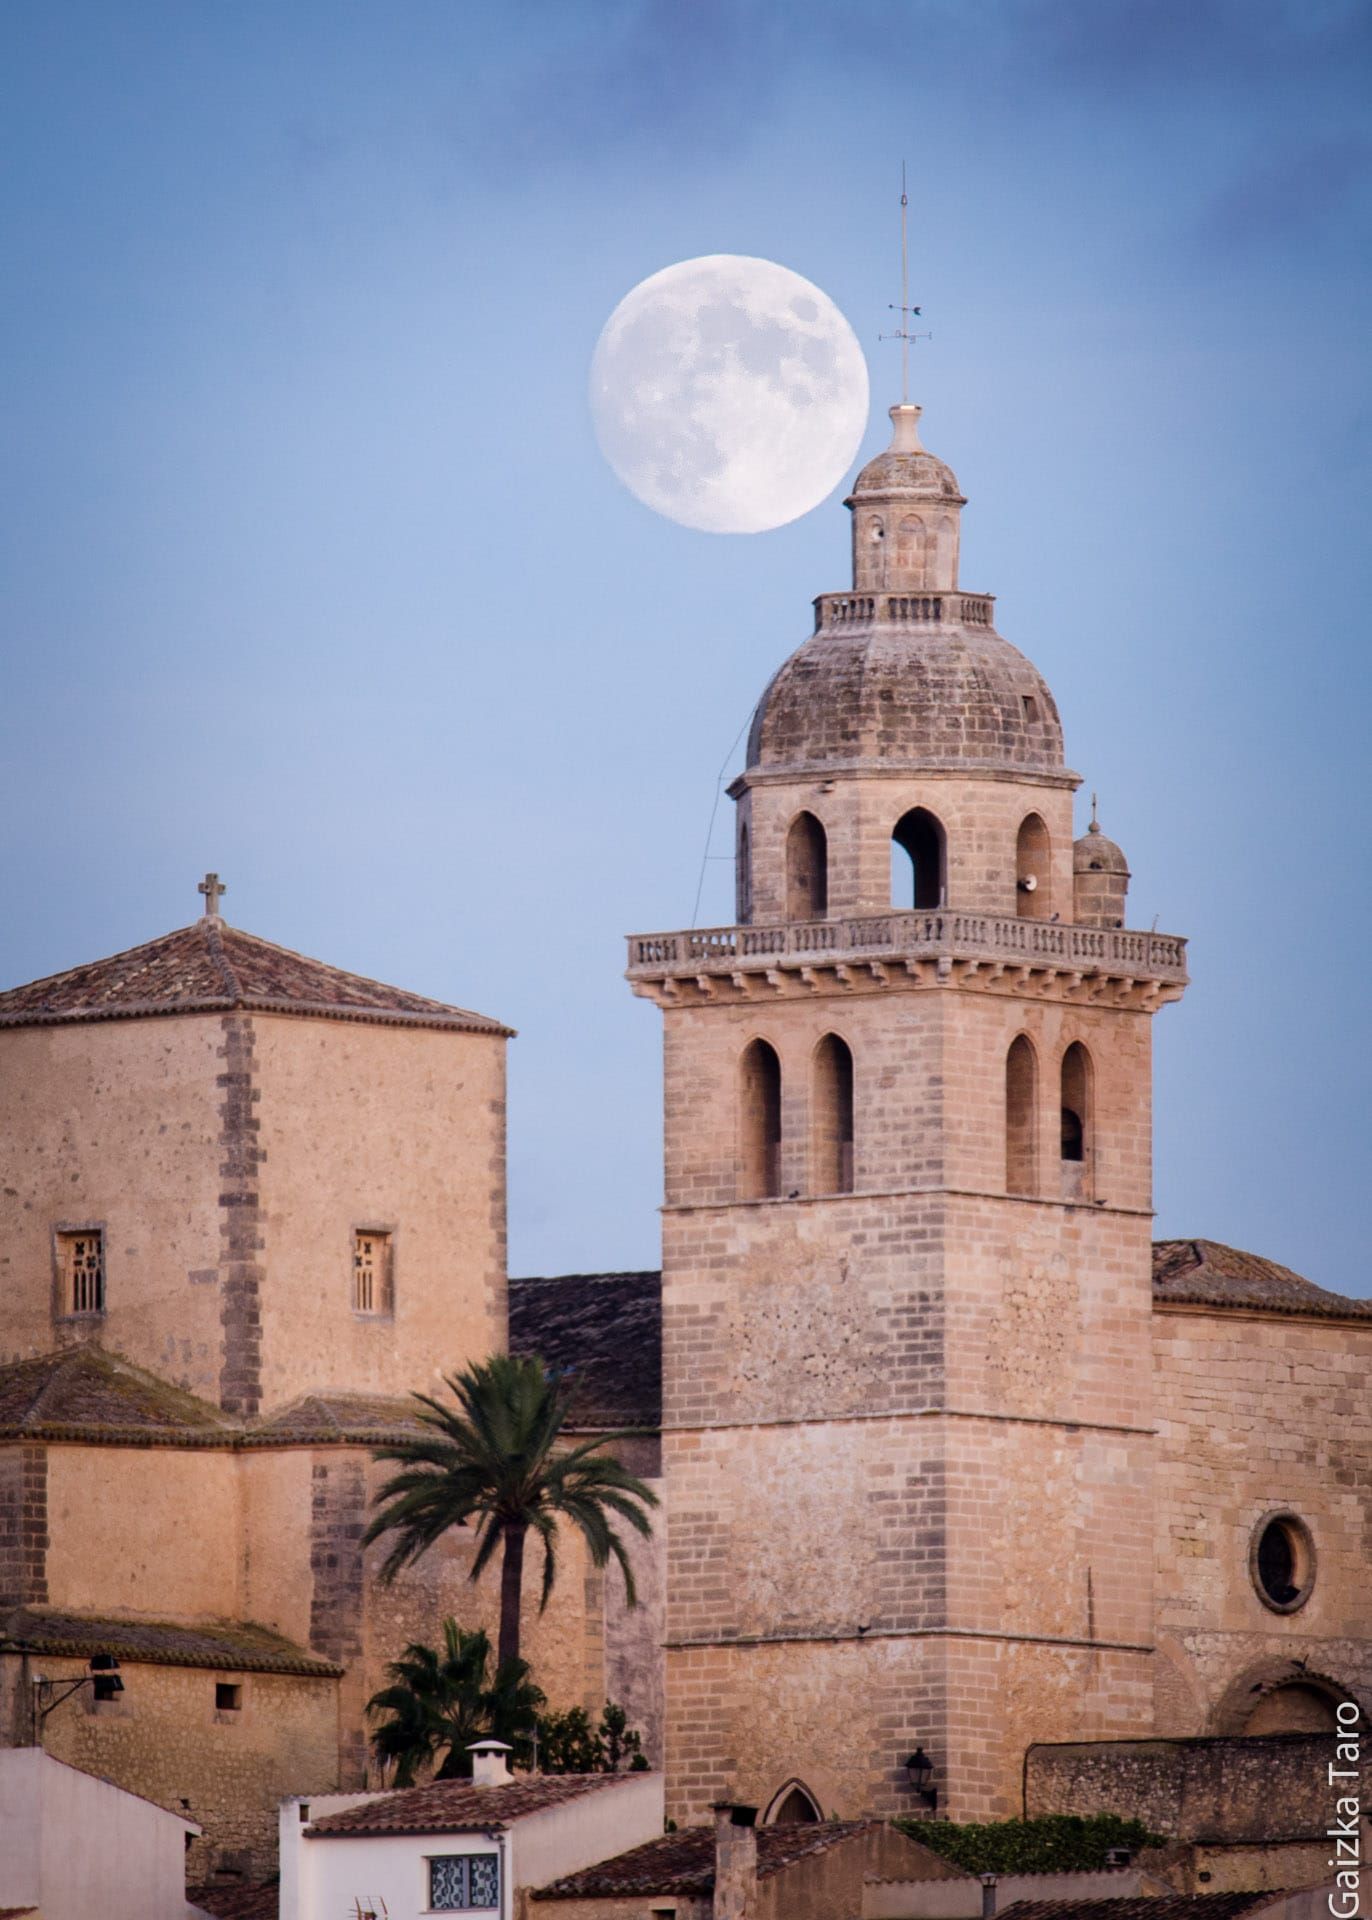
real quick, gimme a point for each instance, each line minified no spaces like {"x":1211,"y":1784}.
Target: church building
{"x":958,"y":1467}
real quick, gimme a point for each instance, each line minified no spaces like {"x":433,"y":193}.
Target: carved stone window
{"x":373,"y":1284}
{"x":81,"y":1271}
{"x":1281,"y":1562}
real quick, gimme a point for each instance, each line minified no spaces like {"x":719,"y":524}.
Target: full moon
{"x":728,"y":393}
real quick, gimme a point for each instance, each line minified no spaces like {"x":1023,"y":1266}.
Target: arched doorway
{"x":792,"y":1806}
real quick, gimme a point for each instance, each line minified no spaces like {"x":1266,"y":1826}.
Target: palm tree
{"x":439,"y":1699}
{"x":494,"y":1457}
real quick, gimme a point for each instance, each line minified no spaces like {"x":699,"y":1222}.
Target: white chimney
{"x":488,"y":1763}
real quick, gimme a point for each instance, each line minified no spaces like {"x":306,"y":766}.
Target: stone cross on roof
{"x":212,"y":887}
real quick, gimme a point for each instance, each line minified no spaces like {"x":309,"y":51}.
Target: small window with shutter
{"x":373,"y":1286}
{"x":81,"y":1271}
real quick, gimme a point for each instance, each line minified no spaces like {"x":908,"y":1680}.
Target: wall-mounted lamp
{"x":102,"y":1679}
{"x":921,"y":1771}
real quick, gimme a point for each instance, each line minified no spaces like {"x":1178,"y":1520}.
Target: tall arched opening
{"x":759,"y":1122}
{"x":831,"y":1117}
{"x":919,"y":855}
{"x":807,"y":869}
{"x":1033,"y":870}
{"x":1077,"y":1143}
{"x":1021,"y":1117}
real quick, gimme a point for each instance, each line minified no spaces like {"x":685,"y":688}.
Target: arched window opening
{"x":918,"y":860}
{"x":792,"y":1806}
{"x":946,"y":554}
{"x":831,"y":1110}
{"x":1021,"y":1118}
{"x":760,"y":1118}
{"x":1076,"y":1120}
{"x":807,"y":869}
{"x":743,"y":877}
{"x":1033,"y":870}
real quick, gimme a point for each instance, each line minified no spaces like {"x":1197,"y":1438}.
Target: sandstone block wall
{"x":228,"y":1161}
{"x":917,"y":1417}
{"x":404,"y":1130}
{"x":1259,"y":1415}
{"x":116,"y":1125}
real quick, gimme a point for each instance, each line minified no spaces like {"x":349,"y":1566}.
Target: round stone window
{"x":1281,"y":1562}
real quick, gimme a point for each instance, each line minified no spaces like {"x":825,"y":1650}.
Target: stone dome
{"x":949,"y":696}
{"x":1093,"y":853}
{"x":906,"y":469}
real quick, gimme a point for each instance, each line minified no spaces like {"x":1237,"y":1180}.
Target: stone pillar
{"x":735,"y":1862}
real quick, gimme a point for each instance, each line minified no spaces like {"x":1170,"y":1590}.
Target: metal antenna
{"x":905,"y":310}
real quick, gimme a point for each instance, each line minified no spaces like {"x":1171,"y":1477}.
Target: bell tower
{"x":906,"y":1236}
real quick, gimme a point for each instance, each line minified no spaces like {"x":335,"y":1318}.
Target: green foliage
{"x":495,"y":1456}
{"x":440,"y":1700}
{"x":568,"y":1743}
{"x":1054,"y":1843}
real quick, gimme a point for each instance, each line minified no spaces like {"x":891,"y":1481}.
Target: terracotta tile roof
{"x":236,"y":1901}
{"x":211,"y":967}
{"x":606,"y":1330}
{"x":1207,"y":1273}
{"x":684,"y":1863}
{"x":234,"y":1646}
{"x":359,"y":1417}
{"x":85,"y":1390}
{"x":1170,"y":1906}
{"x":456,"y":1806}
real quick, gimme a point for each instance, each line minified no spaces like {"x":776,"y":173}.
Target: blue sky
{"x":313,"y":572}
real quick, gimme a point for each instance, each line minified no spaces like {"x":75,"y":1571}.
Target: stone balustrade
{"x":935,"y":934}
{"x":834,"y":610}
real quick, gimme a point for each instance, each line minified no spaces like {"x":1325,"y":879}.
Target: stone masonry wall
{"x":1259,"y":1414}
{"x":116,"y":1125}
{"x":164,"y":1738}
{"x":395,"y":1129}
{"x":981,"y":819}
{"x":1216,"y":1790}
{"x":921,"y":1409}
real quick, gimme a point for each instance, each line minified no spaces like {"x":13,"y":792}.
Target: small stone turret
{"x":1100,"y":878}
{"x":906,"y":506}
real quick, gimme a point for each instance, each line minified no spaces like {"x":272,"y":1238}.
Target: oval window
{"x":1282,"y":1562}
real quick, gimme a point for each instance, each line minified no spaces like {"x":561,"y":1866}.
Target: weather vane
{"x":905,"y":310}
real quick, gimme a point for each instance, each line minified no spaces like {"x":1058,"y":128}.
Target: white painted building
{"x":73,"y":1846}
{"x":457,"y":1846}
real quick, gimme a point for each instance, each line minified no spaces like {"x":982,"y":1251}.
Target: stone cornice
{"x":826,"y":1636}
{"x":943,"y":947}
{"x":894,"y":769}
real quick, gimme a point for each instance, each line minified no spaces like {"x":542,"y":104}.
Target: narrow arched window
{"x":918,"y":860}
{"x":1021,"y":1118}
{"x":760,"y":1123}
{"x":807,"y":869}
{"x":743,"y":877}
{"x":1033,"y":870}
{"x":1076,"y":1117}
{"x":831,"y":1118}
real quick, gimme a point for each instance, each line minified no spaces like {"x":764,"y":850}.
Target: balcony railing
{"x":928,"y":935}
{"x":903,"y":609}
